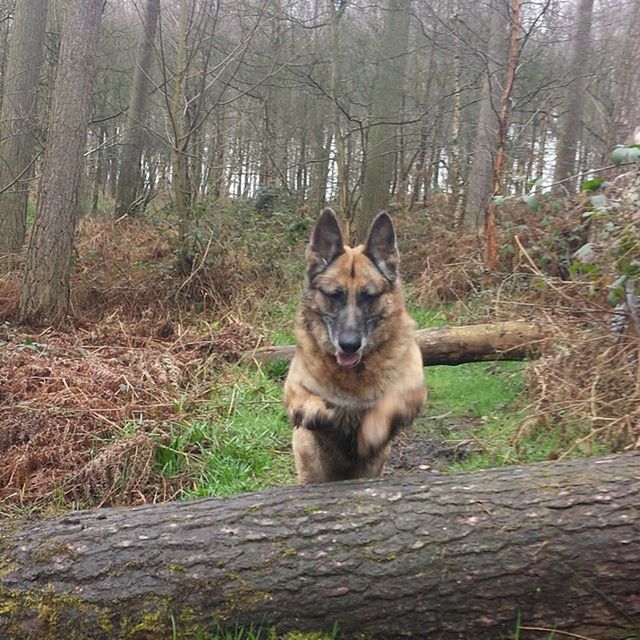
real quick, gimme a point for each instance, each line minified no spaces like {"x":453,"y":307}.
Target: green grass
{"x":31,"y":212}
{"x":260,"y":634}
{"x":281,"y":316}
{"x":427,"y":318}
{"x":477,"y":389}
{"x":240,"y":440}
{"x":481,"y":406}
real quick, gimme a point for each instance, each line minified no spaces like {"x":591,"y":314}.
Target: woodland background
{"x":162,"y":163}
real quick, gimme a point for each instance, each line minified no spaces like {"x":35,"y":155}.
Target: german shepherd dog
{"x":356,"y":376}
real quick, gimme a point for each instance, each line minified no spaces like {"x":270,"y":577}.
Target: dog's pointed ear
{"x":381,"y":246}
{"x":326,"y":243}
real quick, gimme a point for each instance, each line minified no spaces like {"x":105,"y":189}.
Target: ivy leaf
{"x":585,"y":254}
{"x":599,"y":201}
{"x":619,"y":155}
{"x":531,"y":201}
{"x":623,"y":154}
{"x":592,"y":185}
{"x":616,"y":296}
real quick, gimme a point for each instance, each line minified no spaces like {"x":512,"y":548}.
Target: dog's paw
{"x":313,"y":420}
{"x":373,"y":436}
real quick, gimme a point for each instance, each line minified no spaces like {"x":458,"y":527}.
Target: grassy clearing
{"x":240,"y":439}
{"x":238,"y":442}
{"x":479,"y":407}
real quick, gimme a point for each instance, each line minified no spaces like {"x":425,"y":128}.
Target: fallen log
{"x":451,"y":345}
{"x":553,"y":545}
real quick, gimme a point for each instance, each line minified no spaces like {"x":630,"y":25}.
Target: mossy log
{"x":452,"y":345}
{"x":553,"y":545}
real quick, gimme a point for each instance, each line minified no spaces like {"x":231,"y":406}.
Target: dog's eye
{"x":367,"y":296}
{"x":336,"y":295}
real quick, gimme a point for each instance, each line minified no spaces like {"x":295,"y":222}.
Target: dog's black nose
{"x":350,"y":341}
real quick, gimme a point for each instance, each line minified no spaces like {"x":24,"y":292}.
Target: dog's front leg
{"x":306,"y":409}
{"x":309,"y":414}
{"x":392,"y":412}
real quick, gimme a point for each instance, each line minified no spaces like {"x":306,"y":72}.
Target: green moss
{"x":152,"y":624}
{"x":47,"y":606}
{"x":176,"y":568}
{"x":241,"y":597}
{"x":8,"y":536}
{"x":46,"y":552}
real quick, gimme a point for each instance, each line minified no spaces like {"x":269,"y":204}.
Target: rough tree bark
{"x":481,"y":172}
{"x":179,"y":177}
{"x":18,"y":121}
{"x":572,"y":119}
{"x":45,"y":291}
{"x":491,"y":231}
{"x":129,"y":177}
{"x":626,"y":111}
{"x":452,"y":345}
{"x":456,"y":171}
{"x":385,"y":113}
{"x":337,"y":11}
{"x":555,"y":545}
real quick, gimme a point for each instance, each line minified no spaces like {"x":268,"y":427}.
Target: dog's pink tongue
{"x":347,"y":359}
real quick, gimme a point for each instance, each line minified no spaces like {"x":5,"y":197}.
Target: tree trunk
{"x":321,"y":155}
{"x":491,"y":231}
{"x":179,"y":176}
{"x":542,"y":148}
{"x":572,"y":120}
{"x":455,"y":173}
{"x":216,"y":179}
{"x":475,"y":555}
{"x":338,"y":135}
{"x":481,"y":173}
{"x":132,"y":144}
{"x":99,"y":175}
{"x":18,"y":121}
{"x":45,"y":291}
{"x":385,"y":113}
{"x":626,"y":112}
{"x":420,"y":169}
{"x":452,"y":345}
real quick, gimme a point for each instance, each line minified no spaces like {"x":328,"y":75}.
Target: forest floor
{"x":141,"y":398}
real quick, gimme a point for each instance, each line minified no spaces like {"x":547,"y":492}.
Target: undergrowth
{"x":143,"y":399}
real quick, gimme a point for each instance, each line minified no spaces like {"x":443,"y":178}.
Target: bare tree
{"x":480,"y":181}
{"x":491,"y":241}
{"x":130,"y":179}
{"x":455,"y":170}
{"x":385,"y":113}
{"x":572,"y":121}
{"x":626,"y":113}
{"x":45,"y":291}
{"x":18,"y":120}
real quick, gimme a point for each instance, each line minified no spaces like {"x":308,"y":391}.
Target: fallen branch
{"x":555,"y":545}
{"x":451,"y":345}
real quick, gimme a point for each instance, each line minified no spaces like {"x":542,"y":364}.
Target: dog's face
{"x":352,"y":290}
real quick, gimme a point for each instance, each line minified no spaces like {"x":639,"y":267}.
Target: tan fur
{"x":344,"y":418}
